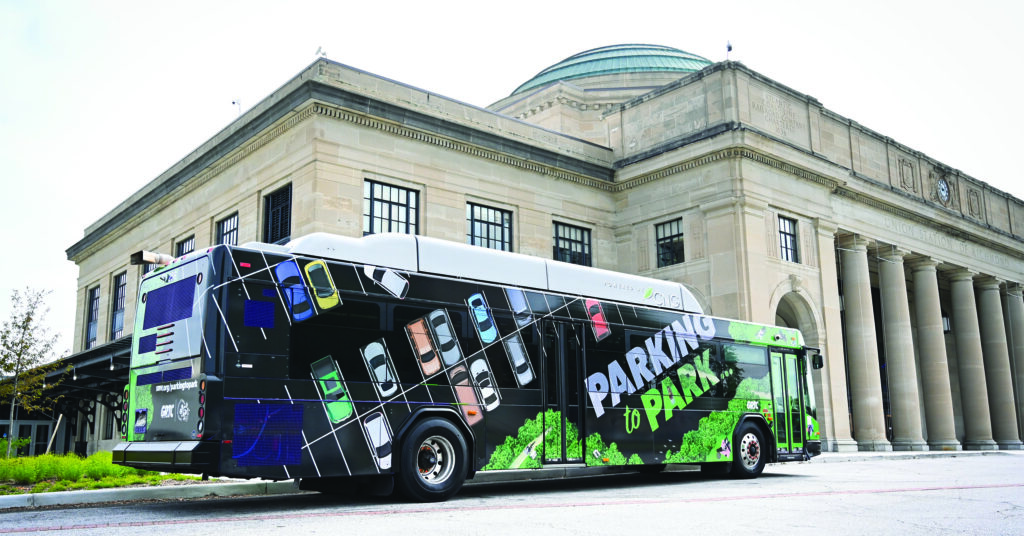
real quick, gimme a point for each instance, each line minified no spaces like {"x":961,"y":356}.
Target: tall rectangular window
{"x":277,"y":211}
{"x":489,"y":227}
{"x":669,"y":242}
{"x":227,"y":230}
{"x":389,"y":209}
{"x":787,"y":239}
{"x":572,"y":244}
{"x":186,"y":246}
{"x":92,"y":316}
{"x":117,"y":299}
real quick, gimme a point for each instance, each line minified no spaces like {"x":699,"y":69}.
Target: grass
{"x":49,"y":472}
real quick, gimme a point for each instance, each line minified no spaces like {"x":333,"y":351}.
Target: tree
{"x":26,"y":355}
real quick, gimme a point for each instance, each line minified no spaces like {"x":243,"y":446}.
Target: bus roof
{"x":442,"y":257}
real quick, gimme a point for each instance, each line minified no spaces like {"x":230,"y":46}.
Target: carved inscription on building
{"x":943,"y":242}
{"x":778,"y":113}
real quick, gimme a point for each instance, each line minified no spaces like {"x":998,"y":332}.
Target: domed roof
{"x":617,"y":59}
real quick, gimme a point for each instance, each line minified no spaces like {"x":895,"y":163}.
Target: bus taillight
{"x":201,"y":413}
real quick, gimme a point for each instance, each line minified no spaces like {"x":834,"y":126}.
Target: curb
{"x":31,"y":500}
{"x":834,"y":457}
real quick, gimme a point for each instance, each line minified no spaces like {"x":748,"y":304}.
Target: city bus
{"x":420,"y":362}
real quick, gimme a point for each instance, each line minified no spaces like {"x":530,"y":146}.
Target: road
{"x":933,"y":496}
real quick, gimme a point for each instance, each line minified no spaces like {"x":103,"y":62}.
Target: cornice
{"x":444,"y":142}
{"x":721,"y":154}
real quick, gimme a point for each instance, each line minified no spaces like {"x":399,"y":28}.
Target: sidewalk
{"x":234,"y":488}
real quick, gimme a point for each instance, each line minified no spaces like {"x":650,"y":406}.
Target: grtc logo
{"x":183,"y":410}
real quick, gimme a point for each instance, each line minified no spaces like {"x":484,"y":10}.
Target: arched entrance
{"x":794,"y":311}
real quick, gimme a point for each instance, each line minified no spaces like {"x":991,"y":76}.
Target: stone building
{"x":647,"y":160}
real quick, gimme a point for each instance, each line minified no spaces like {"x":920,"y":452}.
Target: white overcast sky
{"x":98,"y":98}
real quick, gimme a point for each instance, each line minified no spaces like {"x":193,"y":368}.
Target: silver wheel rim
{"x":435,"y":460}
{"x":750,"y":450}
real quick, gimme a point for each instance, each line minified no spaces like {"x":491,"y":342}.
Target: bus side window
{"x":744,"y":362}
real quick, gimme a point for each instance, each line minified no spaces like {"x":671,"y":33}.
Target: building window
{"x":572,"y":244}
{"x":389,"y":209}
{"x":120,"y":287}
{"x":787,"y":239}
{"x":227,"y":230}
{"x":669,"y":242}
{"x":489,"y":227}
{"x":92,"y":316}
{"x":186,"y":246}
{"x":277,"y":208}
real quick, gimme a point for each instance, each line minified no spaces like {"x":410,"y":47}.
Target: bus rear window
{"x":170,"y":303}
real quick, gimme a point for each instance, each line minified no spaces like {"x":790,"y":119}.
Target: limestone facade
{"x":890,"y":245}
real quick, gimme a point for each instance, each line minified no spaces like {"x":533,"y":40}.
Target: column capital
{"x":987,"y":282}
{"x":854,"y":242}
{"x":1015,"y":289}
{"x":922,"y":264}
{"x":892,"y":253}
{"x":962,"y":274}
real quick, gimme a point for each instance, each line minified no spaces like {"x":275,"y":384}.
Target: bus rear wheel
{"x":433,"y":463}
{"x":749,"y":458}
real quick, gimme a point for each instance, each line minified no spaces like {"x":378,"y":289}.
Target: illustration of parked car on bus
{"x":379,"y":435}
{"x":388,"y":279}
{"x":482,"y":315}
{"x":484,"y":380}
{"x":516,"y":351}
{"x":466,"y":393}
{"x":324,"y":291}
{"x":329,"y":379}
{"x":520,"y":307}
{"x":597,"y":320}
{"x":294,"y":289}
{"x":378,"y":361}
{"x":423,"y":346}
{"x":441,"y":326}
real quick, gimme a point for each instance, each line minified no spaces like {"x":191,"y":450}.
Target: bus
{"x":420,"y":362}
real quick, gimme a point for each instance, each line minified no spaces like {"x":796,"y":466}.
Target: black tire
{"x":749,"y":450}
{"x":433,"y":462}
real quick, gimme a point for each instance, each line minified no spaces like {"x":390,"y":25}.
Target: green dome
{"x":617,"y":59}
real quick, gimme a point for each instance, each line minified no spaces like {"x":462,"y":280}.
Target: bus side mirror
{"x":817,"y":362}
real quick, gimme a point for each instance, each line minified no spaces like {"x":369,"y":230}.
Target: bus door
{"x":563,"y":395}
{"x":786,"y":398}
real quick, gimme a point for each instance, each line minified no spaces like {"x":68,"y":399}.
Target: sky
{"x":98,"y":98}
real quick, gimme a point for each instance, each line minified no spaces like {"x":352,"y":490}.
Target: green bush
{"x":51,"y":472}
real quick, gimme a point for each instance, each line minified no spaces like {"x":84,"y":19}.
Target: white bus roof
{"x":442,"y":257}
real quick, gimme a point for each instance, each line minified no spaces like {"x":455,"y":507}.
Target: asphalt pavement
{"x":231,"y":487}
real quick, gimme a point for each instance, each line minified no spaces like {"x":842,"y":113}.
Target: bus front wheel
{"x":749,"y":459}
{"x":434,"y":462}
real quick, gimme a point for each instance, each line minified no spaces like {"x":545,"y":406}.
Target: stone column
{"x":970,"y":364}
{"x":1015,"y":338}
{"x":904,"y":401}
{"x":931,"y":347}
{"x":997,"y":365}
{"x":862,"y":347}
{"x":834,"y":410}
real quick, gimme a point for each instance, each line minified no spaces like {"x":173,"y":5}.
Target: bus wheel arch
{"x":433,"y":458}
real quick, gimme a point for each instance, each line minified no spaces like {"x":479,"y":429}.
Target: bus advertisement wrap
{"x":304,"y":362}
